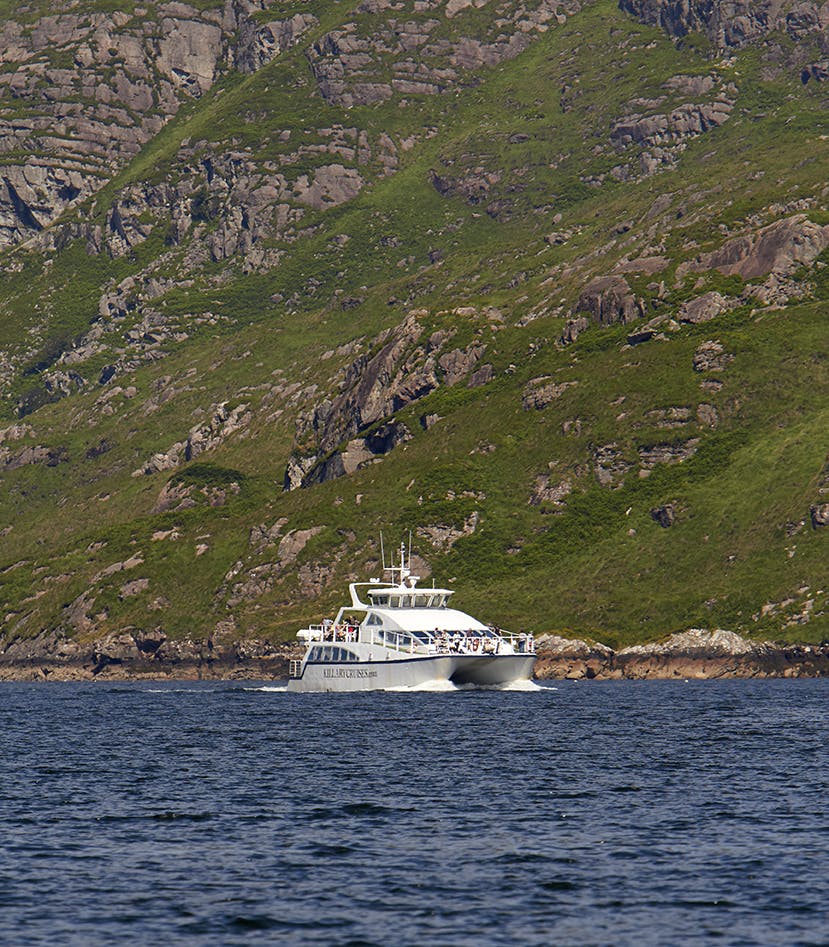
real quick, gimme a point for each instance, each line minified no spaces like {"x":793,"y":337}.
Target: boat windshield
{"x":416,"y":599}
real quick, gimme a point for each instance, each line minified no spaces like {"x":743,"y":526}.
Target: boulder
{"x":674,"y":453}
{"x":609,"y":300}
{"x":664,"y":515}
{"x":610,"y":465}
{"x":819,"y":514}
{"x":819,"y":71}
{"x":541,"y":392}
{"x":711,"y":357}
{"x":702,"y":308}
{"x":547,"y":492}
{"x":573,"y":328}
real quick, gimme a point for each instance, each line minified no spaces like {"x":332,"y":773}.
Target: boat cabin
{"x":409,"y":598}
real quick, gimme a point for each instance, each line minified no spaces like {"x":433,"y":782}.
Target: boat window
{"x":374,"y":619}
{"x":380,"y":599}
{"x":315,"y":654}
{"x":421,"y":601}
{"x":394,"y":601}
{"x":406,"y":601}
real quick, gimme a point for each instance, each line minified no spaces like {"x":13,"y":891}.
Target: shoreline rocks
{"x":697,"y":654}
{"x":143,"y":655}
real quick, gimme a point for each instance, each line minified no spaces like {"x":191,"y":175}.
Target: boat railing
{"x":521,"y":642}
{"x":329,"y":631}
{"x":402,"y":641}
{"x":452,"y":642}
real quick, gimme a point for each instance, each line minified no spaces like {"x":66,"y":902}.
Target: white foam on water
{"x":175,"y":690}
{"x":436,"y":687}
{"x":527,"y":686}
{"x":519,"y":686}
{"x":269,"y":689}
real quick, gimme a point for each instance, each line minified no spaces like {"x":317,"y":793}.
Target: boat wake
{"x":519,"y":686}
{"x":435,"y":687}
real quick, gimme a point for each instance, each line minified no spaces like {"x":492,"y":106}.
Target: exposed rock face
{"x":129,"y":74}
{"x":819,"y":514}
{"x":610,"y":465}
{"x":819,"y":71}
{"x":674,"y":453}
{"x":570,"y":658}
{"x":687,"y":121}
{"x":778,"y":248}
{"x":223,"y":422}
{"x":664,"y":515}
{"x":728,"y":23}
{"x":549,"y":493}
{"x":48,"y":456}
{"x":540,"y":392}
{"x":573,"y":328}
{"x":259,"y":43}
{"x":443,"y":536}
{"x":335,"y":438}
{"x":362,"y":65}
{"x":609,"y":300}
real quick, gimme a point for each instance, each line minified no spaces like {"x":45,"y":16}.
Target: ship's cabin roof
{"x":405,"y":597}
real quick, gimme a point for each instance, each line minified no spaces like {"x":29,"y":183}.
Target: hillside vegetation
{"x":544,"y":284}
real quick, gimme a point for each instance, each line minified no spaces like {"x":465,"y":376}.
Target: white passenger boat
{"x":406,"y":636}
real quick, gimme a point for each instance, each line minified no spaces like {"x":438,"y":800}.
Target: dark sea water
{"x":581,"y":813}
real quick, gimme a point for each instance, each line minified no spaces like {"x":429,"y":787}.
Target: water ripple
{"x":605,"y":813}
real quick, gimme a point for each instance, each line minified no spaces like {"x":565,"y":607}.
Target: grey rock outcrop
{"x":609,"y":300}
{"x":223,"y":422}
{"x":341,"y":434}
{"x":729,"y":23}
{"x":122,"y":76}
{"x":664,"y":515}
{"x":259,"y":43}
{"x":819,"y":514}
{"x":541,"y":392}
{"x":359,"y":64}
{"x":778,"y":248}
{"x":686,"y":121}
{"x":711,"y":357}
{"x":702,"y":308}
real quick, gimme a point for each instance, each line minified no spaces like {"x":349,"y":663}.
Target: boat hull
{"x":462,"y":669}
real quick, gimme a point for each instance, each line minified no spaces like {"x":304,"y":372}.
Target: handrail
{"x":446,"y":642}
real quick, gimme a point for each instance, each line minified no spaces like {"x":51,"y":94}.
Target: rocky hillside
{"x":544,"y":283}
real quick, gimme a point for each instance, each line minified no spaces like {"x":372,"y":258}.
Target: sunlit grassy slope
{"x":600,"y":566}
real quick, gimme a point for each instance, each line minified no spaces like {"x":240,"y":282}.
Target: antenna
{"x":382,"y":553}
{"x":410,"y":549}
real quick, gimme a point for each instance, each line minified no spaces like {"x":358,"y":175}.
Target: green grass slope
{"x":91,"y":547}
